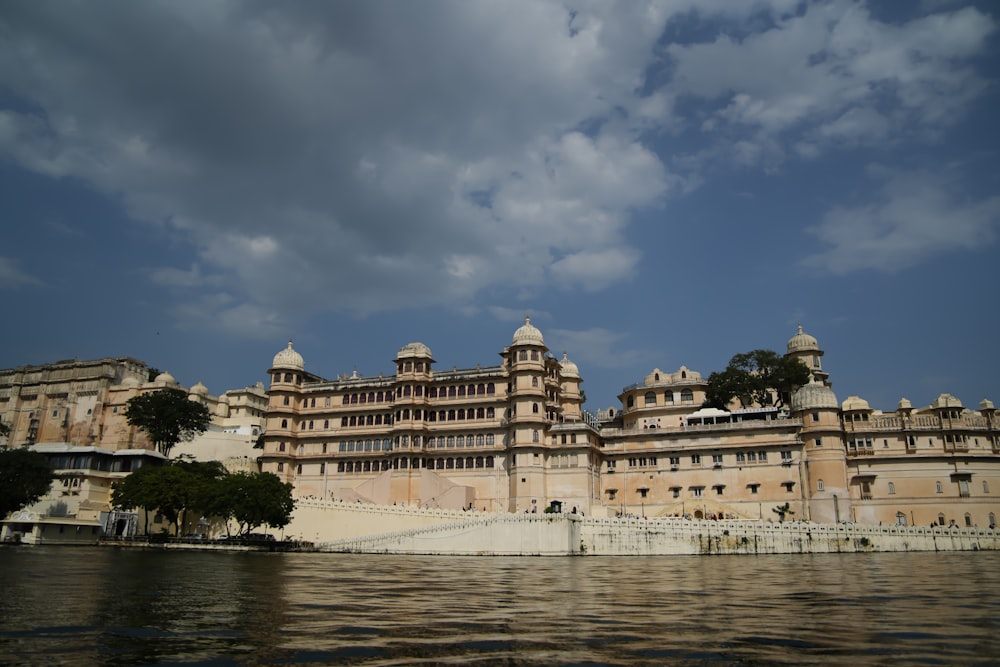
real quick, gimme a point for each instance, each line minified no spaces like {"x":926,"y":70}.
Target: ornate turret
{"x":806,"y":348}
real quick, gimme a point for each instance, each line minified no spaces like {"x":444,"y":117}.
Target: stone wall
{"x":355,"y":527}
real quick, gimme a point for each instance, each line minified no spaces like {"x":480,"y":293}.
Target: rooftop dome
{"x":813,"y":395}
{"x":130,"y":381}
{"x":411,"y":350}
{"x":986,"y":404}
{"x":199,"y":389}
{"x":166,"y":378}
{"x":528,"y":334}
{"x":855,"y":403}
{"x":288,"y":358}
{"x":904,"y":404}
{"x":801,"y":342}
{"x":946,"y":401}
{"x":569,"y":369}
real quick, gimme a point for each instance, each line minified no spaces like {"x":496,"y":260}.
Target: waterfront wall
{"x":380,"y":529}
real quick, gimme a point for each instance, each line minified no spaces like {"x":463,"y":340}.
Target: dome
{"x":166,"y":378}
{"x":412,"y":350}
{"x":288,"y":358}
{"x":855,"y":403}
{"x":904,"y":404}
{"x":813,"y":395}
{"x":131,"y":381}
{"x":199,"y":389}
{"x":569,"y":369}
{"x":986,"y":404}
{"x":946,"y":401}
{"x":528,"y":334}
{"x":802,"y":342}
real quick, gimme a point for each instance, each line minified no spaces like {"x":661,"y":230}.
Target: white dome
{"x":199,"y":389}
{"x":855,"y":403}
{"x":166,"y":378}
{"x":802,"y":342}
{"x":986,"y":404}
{"x":813,"y":395}
{"x":527,"y":334}
{"x":946,"y":401}
{"x":130,"y":381}
{"x":414,"y":350}
{"x":288,"y":358}
{"x":569,"y":369}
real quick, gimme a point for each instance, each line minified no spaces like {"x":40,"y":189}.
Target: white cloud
{"x":917,"y":215}
{"x":596,"y":347}
{"x":11,"y":275}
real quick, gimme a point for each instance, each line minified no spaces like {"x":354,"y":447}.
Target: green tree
{"x":25,"y":476}
{"x":782,"y":511}
{"x":254,"y":499}
{"x":167,"y":416}
{"x":753,"y":378}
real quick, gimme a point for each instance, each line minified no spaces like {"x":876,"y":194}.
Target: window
{"x":696,"y":459}
{"x":818,"y":442}
{"x":686,"y":395}
{"x":719,"y":488}
{"x":892,"y":489}
{"x":900,"y":519}
{"x":644,"y":493}
{"x":697,"y":491}
{"x":675,"y":491}
{"x":788,"y":486}
{"x":940,"y":519}
{"x":675,"y":460}
{"x":741,"y":457}
{"x":938,"y":488}
{"x":281,"y":467}
{"x":717,"y":459}
{"x":611,"y":493}
{"x":534,"y":435}
{"x":668,"y":396}
{"x":649,"y":398}
{"x":786,"y":456}
{"x":986,"y":486}
{"x":819,"y":485}
{"x":815,"y":416}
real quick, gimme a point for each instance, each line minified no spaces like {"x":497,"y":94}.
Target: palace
{"x":515,"y":438}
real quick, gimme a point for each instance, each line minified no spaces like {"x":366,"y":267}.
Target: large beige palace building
{"x":515,"y":438}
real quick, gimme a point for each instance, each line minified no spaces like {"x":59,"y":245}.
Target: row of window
{"x":650,"y":398}
{"x":450,"y":463}
{"x":699,"y":491}
{"x":717,"y":459}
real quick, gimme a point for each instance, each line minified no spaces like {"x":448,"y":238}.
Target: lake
{"x":106,"y":606}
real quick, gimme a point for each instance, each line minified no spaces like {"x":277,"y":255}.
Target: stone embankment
{"x":357,"y":528}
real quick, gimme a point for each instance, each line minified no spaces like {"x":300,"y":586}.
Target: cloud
{"x":12,"y":277}
{"x":371,"y":156}
{"x":597,"y":347}
{"x":917,"y":214}
{"x":830,"y":73}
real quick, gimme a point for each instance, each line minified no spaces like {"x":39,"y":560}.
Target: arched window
{"x":480,"y":413}
{"x":968,"y":519}
{"x":892,"y":489}
{"x":490,"y":413}
{"x":938,"y":488}
{"x":461,"y":413}
{"x":631,"y":401}
{"x":451,"y":415}
{"x":471,"y":390}
{"x":523,"y":355}
{"x":650,"y":398}
{"x":481,"y":390}
{"x":819,"y":485}
{"x":687,"y":395}
{"x":900,"y":519}
{"x":668,"y":396}
{"x":534,"y":408}
{"x":940,"y":519}
{"x":451,"y":392}
{"x":490,"y":389}
{"x":534,"y":435}
{"x":534,"y":381}
{"x":534,"y":355}
{"x":284,"y":423}
{"x":460,"y":441}
{"x":461,"y":390}
{"x":489,"y":461}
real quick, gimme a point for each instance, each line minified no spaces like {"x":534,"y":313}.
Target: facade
{"x":74,"y":413}
{"x":514,"y":438}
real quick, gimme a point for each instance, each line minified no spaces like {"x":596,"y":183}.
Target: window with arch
{"x":650,"y":398}
{"x":631,"y":401}
{"x":534,"y":408}
{"x":940,"y":519}
{"x":892,"y":489}
{"x":900,"y":519}
{"x":534,"y":435}
{"x":687,"y":395}
{"x":668,"y":396}
{"x":819,"y":485}
{"x":522,"y":355}
{"x":968,"y":519}
{"x":284,"y":423}
{"x":534,"y":355}
{"x":938,"y":488}
{"x":534,"y":381}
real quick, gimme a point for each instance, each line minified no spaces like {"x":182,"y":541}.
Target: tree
{"x":782,"y":511}
{"x":25,"y":476}
{"x":254,"y":499}
{"x":754,"y":377}
{"x":167,"y":416}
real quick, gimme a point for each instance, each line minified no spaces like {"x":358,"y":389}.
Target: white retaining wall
{"x":354,"y":527}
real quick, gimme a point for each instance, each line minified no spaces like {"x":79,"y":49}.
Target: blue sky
{"x":656,"y":184}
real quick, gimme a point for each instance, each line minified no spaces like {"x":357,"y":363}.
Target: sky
{"x":656,"y":184}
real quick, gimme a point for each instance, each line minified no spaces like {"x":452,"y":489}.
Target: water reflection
{"x":102,"y":606}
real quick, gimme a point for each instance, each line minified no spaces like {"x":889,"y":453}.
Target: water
{"x":102,"y":606}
